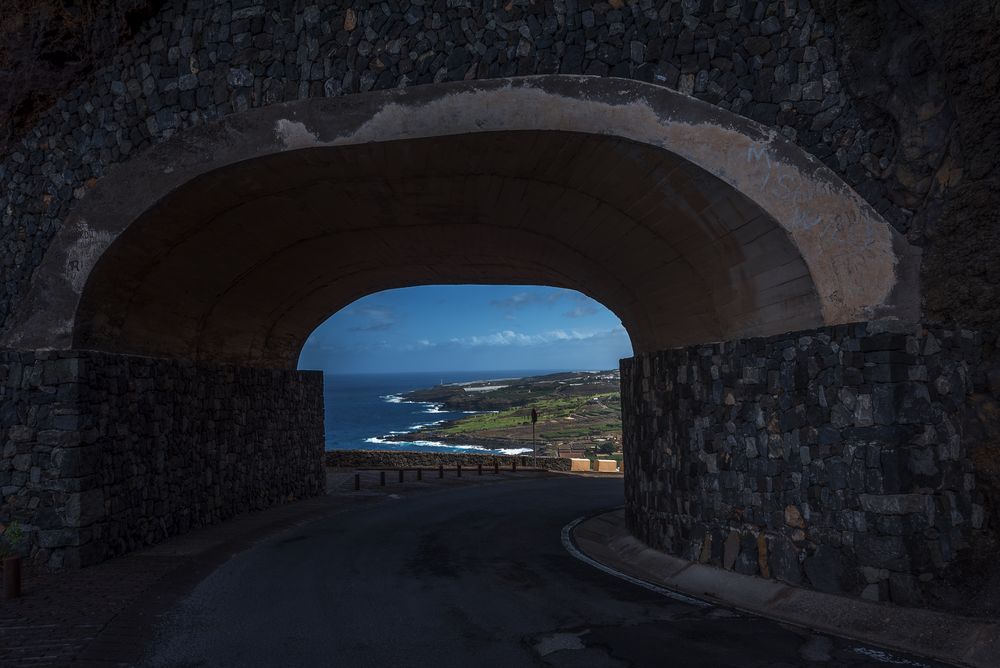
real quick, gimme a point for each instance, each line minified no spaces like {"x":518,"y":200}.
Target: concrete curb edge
{"x":603,"y":541}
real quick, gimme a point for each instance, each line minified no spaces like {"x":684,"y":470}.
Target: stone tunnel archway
{"x":200,"y":267}
{"x":231,"y":242}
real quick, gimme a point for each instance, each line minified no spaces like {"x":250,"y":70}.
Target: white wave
{"x":378,"y":440}
{"x":392,"y":398}
{"x":435,"y":444}
{"x":433,"y":410}
{"x":381,"y":440}
{"x":451,"y":446}
{"x":419,"y":426}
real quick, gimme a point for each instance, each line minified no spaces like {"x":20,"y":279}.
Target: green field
{"x":577,"y":413}
{"x":557,"y":418}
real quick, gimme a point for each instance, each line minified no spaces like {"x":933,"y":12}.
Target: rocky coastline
{"x":474,"y":441}
{"x":571,"y":406}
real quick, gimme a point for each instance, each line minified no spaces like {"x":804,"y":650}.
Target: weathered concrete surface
{"x":957,"y":640}
{"x":698,"y":224}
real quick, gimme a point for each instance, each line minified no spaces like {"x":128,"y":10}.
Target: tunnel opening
{"x":235,"y":268}
{"x":242,"y":263}
{"x":460,"y":368}
{"x":178,"y":294}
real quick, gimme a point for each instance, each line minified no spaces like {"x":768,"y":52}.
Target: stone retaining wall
{"x":832,"y":458}
{"x":382,"y":459}
{"x":197,"y":61}
{"x":103,"y":454}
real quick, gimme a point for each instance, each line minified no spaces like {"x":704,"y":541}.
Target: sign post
{"x":534,"y":451}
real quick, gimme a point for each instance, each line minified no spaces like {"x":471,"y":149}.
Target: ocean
{"x":361,"y":410}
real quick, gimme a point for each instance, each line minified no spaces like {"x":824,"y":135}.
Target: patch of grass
{"x":577,"y":410}
{"x":549,"y":411}
{"x":561,"y":419}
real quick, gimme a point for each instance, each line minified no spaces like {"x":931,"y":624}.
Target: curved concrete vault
{"x":243,"y":263}
{"x":232,"y":242}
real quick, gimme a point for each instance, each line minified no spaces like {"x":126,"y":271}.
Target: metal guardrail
{"x":441,"y":470}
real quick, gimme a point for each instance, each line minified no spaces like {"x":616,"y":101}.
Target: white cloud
{"x":509,"y":337}
{"x":581,"y":311}
{"x":522,"y":299}
{"x":373,"y":318}
{"x":422,"y":344}
{"x":581,"y":305}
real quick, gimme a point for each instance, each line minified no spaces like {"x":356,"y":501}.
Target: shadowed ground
{"x":471,"y":576}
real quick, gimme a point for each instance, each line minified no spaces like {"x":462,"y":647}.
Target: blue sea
{"x":361,"y":410}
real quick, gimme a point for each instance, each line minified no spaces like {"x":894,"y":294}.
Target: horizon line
{"x":387,"y":373}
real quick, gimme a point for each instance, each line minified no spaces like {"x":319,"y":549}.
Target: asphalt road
{"x":470,"y":576}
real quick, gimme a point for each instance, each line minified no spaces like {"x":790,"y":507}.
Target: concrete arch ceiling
{"x":243,"y":263}
{"x":232,"y":242}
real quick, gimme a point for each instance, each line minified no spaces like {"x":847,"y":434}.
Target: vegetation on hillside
{"x":578,"y":413}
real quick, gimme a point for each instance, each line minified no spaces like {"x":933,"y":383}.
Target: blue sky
{"x":468,"y":327}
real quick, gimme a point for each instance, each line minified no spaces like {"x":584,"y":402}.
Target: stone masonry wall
{"x":928,"y":73}
{"x":195,"y":61}
{"x":103,"y":454}
{"x":42,"y":476}
{"x":832,"y":458}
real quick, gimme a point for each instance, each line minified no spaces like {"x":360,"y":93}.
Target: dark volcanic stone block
{"x":882,"y":552}
{"x":784,"y":561}
{"x":825,"y":569}
{"x":747,"y":560}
